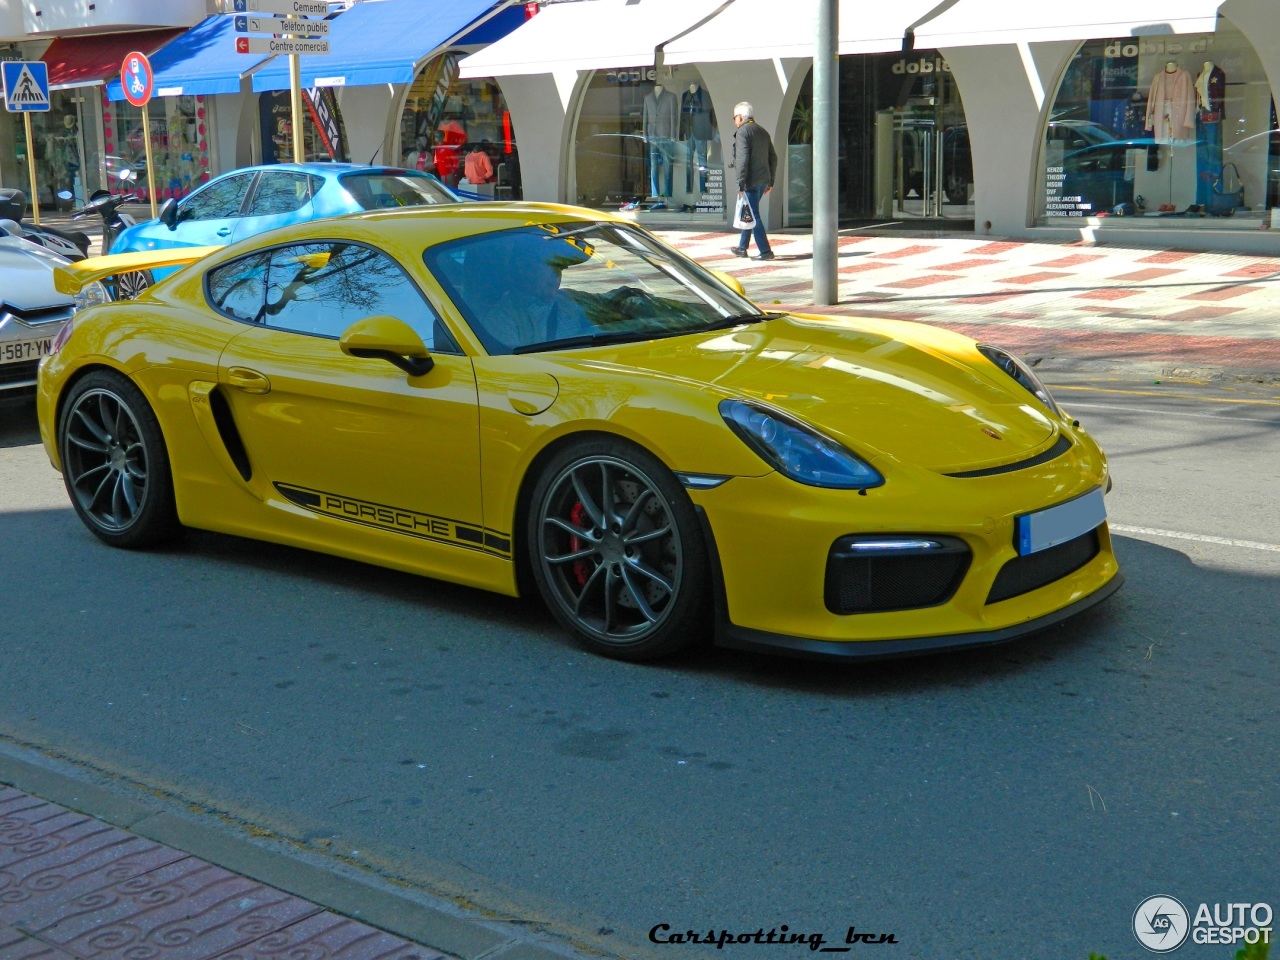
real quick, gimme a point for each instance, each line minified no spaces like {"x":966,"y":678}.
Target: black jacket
{"x":753,"y":157}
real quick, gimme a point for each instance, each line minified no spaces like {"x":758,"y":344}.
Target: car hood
{"x":885,"y":389}
{"x":26,"y":275}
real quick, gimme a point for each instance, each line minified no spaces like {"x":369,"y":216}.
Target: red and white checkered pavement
{"x":1049,"y":300}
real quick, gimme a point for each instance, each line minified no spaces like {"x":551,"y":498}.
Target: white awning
{"x":594,"y":35}
{"x":752,"y":30}
{"x":971,"y":23}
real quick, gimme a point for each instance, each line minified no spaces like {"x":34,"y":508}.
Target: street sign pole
{"x":146,"y":140}
{"x":31,"y":170}
{"x":295,"y":99}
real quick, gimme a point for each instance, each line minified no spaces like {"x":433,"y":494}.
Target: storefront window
{"x":646,"y":142}
{"x":324,"y":137}
{"x":67,"y":148}
{"x":1162,"y":127}
{"x":179,"y":145}
{"x":461,"y":131}
{"x":903,"y":142}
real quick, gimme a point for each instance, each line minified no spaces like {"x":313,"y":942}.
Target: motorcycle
{"x":124,"y":286}
{"x":72,"y":244}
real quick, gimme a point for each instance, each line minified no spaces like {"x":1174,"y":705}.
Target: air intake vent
{"x":1024,"y":574}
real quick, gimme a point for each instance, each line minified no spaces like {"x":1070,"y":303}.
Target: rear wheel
{"x":126,"y":286}
{"x":617,"y":552}
{"x":114,"y":462}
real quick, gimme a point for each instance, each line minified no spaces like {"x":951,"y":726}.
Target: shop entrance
{"x":903,"y":143}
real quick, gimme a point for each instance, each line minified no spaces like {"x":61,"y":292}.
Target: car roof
{"x":319,"y":169}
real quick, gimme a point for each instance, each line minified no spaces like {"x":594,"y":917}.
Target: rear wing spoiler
{"x":73,"y":277}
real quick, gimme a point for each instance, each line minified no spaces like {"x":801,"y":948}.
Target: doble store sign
{"x":634,"y":75}
{"x":1118,"y":48}
{"x":923,"y":65}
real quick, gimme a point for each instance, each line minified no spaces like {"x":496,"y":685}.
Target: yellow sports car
{"x":533,"y":398}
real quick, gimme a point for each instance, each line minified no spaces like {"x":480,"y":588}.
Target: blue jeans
{"x":695,"y":158}
{"x":661,"y":158}
{"x":1208,"y":157}
{"x":762,"y":238}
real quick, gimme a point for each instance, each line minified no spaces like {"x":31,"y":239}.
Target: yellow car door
{"x":358,"y":456}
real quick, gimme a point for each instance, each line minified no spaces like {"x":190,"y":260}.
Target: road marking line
{"x":1199,"y":538}
{"x":1157,"y":393}
{"x":1223,"y":417}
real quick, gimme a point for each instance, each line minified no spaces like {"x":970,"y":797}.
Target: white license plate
{"x":1054,"y":525}
{"x":15,"y":351}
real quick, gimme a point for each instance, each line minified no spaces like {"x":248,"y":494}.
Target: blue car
{"x":251,"y":200}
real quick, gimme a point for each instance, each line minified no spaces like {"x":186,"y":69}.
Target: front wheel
{"x":617,"y":551}
{"x":126,"y":286}
{"x":114,"y":462}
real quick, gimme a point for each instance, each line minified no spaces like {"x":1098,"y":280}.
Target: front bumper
{"x":773,"y":538}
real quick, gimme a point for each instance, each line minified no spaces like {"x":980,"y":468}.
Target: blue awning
{"x":378,"y":43}
{"x":201,"y":61}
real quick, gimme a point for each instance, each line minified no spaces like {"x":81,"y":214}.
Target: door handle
{"x":224,"y":232}
{"x":250,"y":381}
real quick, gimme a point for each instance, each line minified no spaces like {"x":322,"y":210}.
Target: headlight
{"x":90,"y":295}
{"x":796,"y":450}
{"x":1020,"y":372}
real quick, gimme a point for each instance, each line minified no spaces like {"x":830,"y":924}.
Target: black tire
{"x":617,"y":551}
{"x":115,"y":464}
{"x":126,"y":286}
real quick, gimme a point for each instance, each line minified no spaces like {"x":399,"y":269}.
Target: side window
{"x":280,"y":193}
{"x":323,"y":288}
{"x":219,"y":200}
{"x":238,"y":289}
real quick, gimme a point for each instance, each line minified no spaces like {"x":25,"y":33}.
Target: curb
{"x":446,"y":929}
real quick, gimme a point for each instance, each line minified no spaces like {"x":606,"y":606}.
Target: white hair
{"x":745,"y":110}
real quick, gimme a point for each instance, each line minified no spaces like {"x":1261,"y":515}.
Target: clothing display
{"x":477,"y":167}
{"x":695,"y":131}
{"x":1211,"y":91}
{"x":1171,"y":105}
{"x":661,"y":115}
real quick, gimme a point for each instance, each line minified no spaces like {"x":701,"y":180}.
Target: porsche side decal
{"x":411,"y":523}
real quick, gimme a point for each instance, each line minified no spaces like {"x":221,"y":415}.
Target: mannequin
{"x":661,"y":125}
{"x":695,"y":131}
{"x":421,"y":158}
{"x":1211,"y":89}
{"x":1171,"y":104}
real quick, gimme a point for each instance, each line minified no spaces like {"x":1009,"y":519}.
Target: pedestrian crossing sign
{"x":26,"y":86}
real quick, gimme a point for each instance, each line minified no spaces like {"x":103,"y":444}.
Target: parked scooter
{"x":125,"y":286}
{"x":72,"y":244}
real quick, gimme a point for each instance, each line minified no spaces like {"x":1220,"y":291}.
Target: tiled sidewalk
{"x":1047,"y":300}
{"x":75,"y":887}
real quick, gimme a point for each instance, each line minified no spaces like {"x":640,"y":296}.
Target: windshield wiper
{"x":585,"y":340}
{"x":738,"y":319}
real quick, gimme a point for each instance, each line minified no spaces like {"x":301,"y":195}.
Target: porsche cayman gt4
{"x":529,"y":398}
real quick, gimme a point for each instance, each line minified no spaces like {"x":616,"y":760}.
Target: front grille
{"x":37,"y":315}
{"x":1024,"y":574}
{"x":22,"y":372}
{"x":861,"y":578}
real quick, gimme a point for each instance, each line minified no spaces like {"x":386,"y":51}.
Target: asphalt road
{"x":1016,"y":802}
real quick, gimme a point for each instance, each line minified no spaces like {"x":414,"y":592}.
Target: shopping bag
{"x":742,"y":218}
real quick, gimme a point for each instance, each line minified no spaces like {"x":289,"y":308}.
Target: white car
{"x":32,"y":311}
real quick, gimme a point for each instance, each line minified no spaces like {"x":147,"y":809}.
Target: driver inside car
{"x":520,"y":301}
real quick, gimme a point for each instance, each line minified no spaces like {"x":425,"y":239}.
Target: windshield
{"x":380,"y":191}
{"x":551,"y":285}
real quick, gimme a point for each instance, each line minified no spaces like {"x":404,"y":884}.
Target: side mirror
{"x":386,"y":338}
{"x":730,"y":281}
{"x":169,"y":213}
{"x":65,"y":195}
{"x":126,"y":174}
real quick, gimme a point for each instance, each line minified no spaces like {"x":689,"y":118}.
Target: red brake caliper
{"x":581,"y":570}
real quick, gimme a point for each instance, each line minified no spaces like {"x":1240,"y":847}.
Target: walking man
{"x":756,"y":163}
